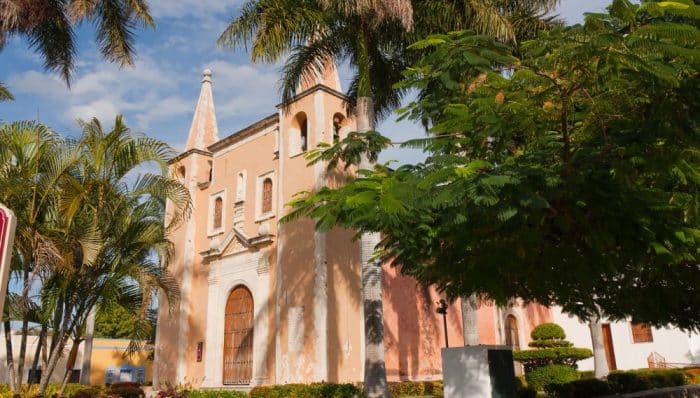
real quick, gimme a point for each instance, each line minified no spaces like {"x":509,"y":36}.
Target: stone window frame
{"x":211,"y":230}
{"x":259,"y":214}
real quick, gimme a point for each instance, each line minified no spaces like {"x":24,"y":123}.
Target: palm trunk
{"x":58,"y":343}
{"x":37,"y":352}
{"x":600,"y":361}
{"x":470,"y":320}
{"x":375,"y":383}
{"x":10,"y":355}
{"x":87,"y":350}
{"x":70,"y":364}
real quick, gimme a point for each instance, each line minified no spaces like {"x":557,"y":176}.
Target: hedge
{"x":403,"y":388}
{"x":621,"y":382}
{"x":316,"y":390}
{"x":543,"y":377}
{"x":584,"y":388}
{"x":73,"y":390}
{"x":646,"y":379}
{"x":216,"y":394}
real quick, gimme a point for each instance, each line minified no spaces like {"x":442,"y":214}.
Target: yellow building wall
{"x":106,"y":352}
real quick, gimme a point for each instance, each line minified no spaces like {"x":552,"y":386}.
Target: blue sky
{"x":157,"y":96}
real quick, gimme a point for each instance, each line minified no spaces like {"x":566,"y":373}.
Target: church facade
{"x":269,"y":303}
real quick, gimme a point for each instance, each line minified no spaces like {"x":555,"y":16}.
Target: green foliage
{"x":216,"y":394}
{"x":548,"y":335}
{"x":416,"y":388}
{"x":542,"y":378}
{"x":562,"y":355}
{"x":574,"y":181}
{"x":117,"y":323}
{"x":621,"y":382}
{"x":126,"y":390}
{"x":548,"y":331}
{"x":316,"y":390}
{"x":584,"y":388}
{"x":624,"y":382}
{"x":72,"y":391}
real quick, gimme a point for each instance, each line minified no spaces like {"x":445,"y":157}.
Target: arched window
{"x":298,"y":134}
{"x":338,"y":120}
{"x":240,"y":187}
{"x":218,"y":208}
{"x":512,"y":336}
{"x":304,"y":135}
{"x":181,"y":173}
{"x":267,"y":196}
{"x":238,"y":337}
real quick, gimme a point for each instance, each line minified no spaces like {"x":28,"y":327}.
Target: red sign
{"x":7,"y":235}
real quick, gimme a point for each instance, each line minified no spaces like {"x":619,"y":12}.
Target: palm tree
{"x":48,"y":27}
{"x":90,"y":231}
{"x":33,"y":161}
{"x":108,"y":160}
{"x":372,"y":35}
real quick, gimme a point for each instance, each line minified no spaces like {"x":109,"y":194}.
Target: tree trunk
{"x":600,"y":361}
{"x":470,"y":320}
{"x":87,"y":350}
{"x":58,"y":342}
{"x":10,"y":358}
{"x":375,"y":383}
{"x":70,"y":364}
{"x":37,"y":352}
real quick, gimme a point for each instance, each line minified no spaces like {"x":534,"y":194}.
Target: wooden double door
{"x":238,"y":337}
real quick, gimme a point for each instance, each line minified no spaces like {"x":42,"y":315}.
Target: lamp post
{"x":442,"y":309}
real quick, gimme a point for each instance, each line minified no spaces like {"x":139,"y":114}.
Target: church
{"x":269,"y":303}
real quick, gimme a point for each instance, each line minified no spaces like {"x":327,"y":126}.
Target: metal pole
{"x":444,"y":322}
{"x":442,"y":309}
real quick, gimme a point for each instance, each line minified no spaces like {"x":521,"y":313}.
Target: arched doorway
{"x":513,"y":339}
{"x":238,"y":337}
{"x":512,"y":336}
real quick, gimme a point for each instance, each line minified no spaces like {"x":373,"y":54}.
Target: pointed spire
{"x":204,"y":130}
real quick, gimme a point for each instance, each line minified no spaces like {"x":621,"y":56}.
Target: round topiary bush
{"x":553,"y":360}
{"x":542,"y":377}
{"x":548,"y":331}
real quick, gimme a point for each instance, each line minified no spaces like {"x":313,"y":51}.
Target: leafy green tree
{"x":114,"y":324}
{"x":572,"y":181}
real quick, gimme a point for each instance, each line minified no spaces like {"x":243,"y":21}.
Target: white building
{"x":633,"y":346}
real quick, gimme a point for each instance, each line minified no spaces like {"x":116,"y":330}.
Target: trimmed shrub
{"x":216,"y":394}
{"x":404,"y":388}
{"x":584,"y":388}
{"x":126,"y":390}
{"x":630,"y":381}
{"x":548,"y":331}
{"x":550,"y":356}
{"x":543,"y":377}
{"x":316,"y":390}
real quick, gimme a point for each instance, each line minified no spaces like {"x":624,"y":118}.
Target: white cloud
{"x":187,"y":8}
{"x":103,"y":109}
{"x":38,"y":83}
